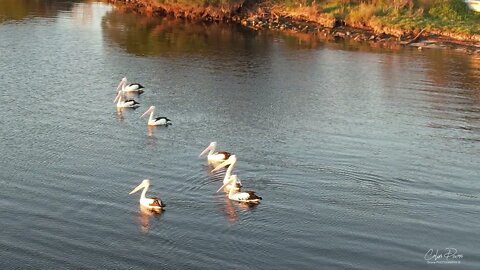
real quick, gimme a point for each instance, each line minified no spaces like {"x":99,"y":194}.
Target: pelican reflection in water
{"x":233,"y":211}
{"x":151,"y":138}
{"x":119,"y":115}
{"x":146,"y":217}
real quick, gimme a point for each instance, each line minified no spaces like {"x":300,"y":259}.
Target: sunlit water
{"x":365,"y":157}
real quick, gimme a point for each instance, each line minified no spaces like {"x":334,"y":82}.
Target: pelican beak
{"x":145,"y":113}
{"x":137,"y":188}
{"x":205,"y":151}
{"x":116,"y":98}
{"x":121,"y":83}
{"x":223,"y":186}
{"x":223,"y":164}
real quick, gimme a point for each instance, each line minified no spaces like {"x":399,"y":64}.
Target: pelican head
{"x":231,"y":160}
{"x":233,"y":180}
{"x":210,"y":147}
{"x":145,"y":184}
{"x":151,"y":109}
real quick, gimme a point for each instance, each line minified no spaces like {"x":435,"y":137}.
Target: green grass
{"x":445,"y":15}
{"x":441,"y":15}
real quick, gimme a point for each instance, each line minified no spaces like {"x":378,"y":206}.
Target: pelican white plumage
{"x":121,"y":103}
{"x":158,"y":121}
{"x":228,"y":174}
{"x":152,"y":203}
{"x":213,"y":156}
{"x":240,"y":196}
{"x":125,"y":87}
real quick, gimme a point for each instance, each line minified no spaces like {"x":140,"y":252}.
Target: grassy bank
{"x":450,"y":18}
{"x":392,"y":16}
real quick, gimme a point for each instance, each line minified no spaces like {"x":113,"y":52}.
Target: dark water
{"x":366,"y":157}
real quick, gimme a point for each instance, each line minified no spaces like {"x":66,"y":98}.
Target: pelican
{"x":215,"y":157}
{"x":152,"y":203}
{"x":129,"y":103}
{"x":130,"y":88}
{"x":158,"y":121}
{"x":236,"y":195}
{"x":227,"y":180}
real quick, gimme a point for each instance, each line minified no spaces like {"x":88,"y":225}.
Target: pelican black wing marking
{"x":225,"y":154}
{"x":132,"y":100}
{"x":162,"y":117}
{"x":253,"y":196}
{"x":139,"y":85}
{"x":157,"y":202}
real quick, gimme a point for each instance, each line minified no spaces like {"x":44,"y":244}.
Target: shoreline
{"x":265,"y":17}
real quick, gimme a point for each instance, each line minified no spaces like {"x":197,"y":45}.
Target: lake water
{"x":366,"y":157}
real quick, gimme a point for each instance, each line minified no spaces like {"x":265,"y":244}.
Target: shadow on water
{"x":16,"y":10}
{"x":151,"y":36}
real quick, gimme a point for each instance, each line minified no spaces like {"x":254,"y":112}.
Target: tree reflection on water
{"x":15,"y":10}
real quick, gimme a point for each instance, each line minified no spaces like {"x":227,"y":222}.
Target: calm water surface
{"x":366,"y":157}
